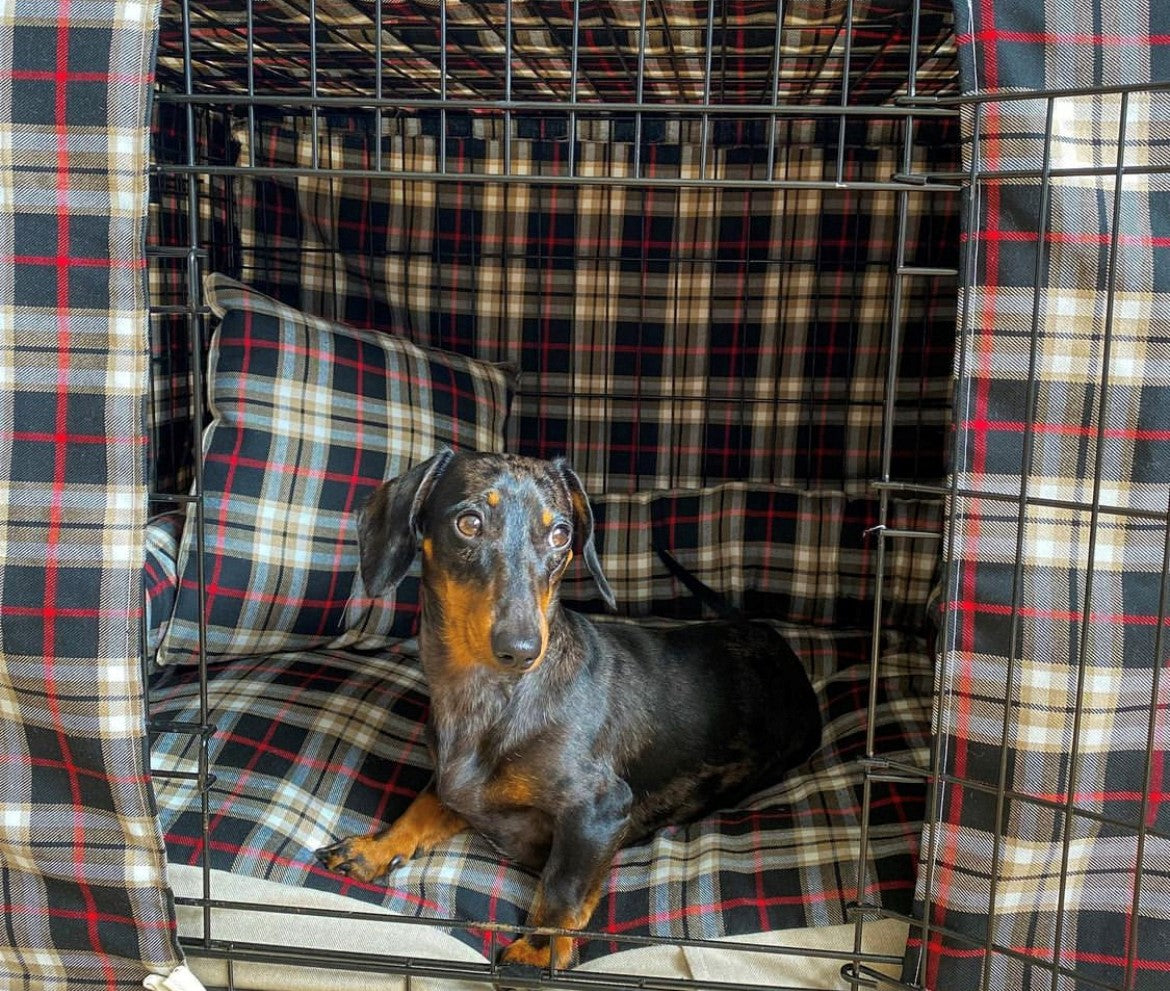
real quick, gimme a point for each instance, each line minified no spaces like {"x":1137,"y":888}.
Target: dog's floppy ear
{"x":583,"y":530}
{"x":388,"y":524}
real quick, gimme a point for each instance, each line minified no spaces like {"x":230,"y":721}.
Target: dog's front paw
{"x":363,"y":858}
{"x":557,"y":950}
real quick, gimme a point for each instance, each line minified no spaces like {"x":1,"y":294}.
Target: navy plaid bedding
{"x":314,"y":745}
{"x":777,"y":552}
{"x":711,"y":361}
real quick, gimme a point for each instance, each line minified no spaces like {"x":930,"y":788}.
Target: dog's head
{"x":496,"y":533}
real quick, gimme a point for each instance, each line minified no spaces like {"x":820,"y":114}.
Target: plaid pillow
{"x":160,"y":574}
{"x":308,"y":417}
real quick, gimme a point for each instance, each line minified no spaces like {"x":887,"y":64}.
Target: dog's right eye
{"x":469,"y":524}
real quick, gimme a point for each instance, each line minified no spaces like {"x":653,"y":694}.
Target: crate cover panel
{"x":1057,"y":571}
{"x":81,"y":859}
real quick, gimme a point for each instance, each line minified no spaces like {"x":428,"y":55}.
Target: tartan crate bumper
{"x":82,"y":884}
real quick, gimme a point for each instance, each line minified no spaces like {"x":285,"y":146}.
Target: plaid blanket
{"x":1045,"y":862}
{"x":83,"y":902}
{"x":315,"y":745}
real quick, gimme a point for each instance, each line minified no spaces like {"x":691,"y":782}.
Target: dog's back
{"x":699,"y":716}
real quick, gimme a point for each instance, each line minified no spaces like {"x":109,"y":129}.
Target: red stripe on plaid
{"x":1064,"y":615}
{"x":1063,"y":38}
{"x":53,"y":537}
{"x":494,"y":908}
{"x":80,"y":772}
{"x":213,"y":583}
{"x":238,"y":461}
{"x":1044,"y":954}
{"x":26,"y":909}
{"x":1063,"y":430}
{"x":57,"y":77}
{"x":65,"y":261}
{"x":966,"y":591}
{"x":1097,"y":797}
{"x":62,"y":439}
{"x":1104,"y":240}
{"x":71,"y":612}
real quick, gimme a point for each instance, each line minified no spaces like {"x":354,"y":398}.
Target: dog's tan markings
{"x":528,"y":951}
{"x":493,"y":498}
{"x":428,"y":547}
{"x":425,"y":824}
{"x":514,"y":787}
{"x":466,"y":628}
{"x":547,"y":517}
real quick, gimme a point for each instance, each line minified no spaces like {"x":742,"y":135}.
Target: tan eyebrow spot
{"x":493,"y":498}
{"x":547,"y":517}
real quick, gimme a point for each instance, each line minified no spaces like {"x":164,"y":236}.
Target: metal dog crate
{"x":719,"y":251}
{"x":714,"y":138}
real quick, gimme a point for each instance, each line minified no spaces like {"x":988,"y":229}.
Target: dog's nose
{"x":516,"y":648}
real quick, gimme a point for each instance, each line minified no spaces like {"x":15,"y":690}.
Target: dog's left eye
{"x":560,"y":535}
{"x":469,"y":524}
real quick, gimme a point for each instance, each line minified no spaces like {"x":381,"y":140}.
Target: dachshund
{"x":558,"y":738}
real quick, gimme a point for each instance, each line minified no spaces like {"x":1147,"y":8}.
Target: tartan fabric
{"x":311,"y":746}
{"x":1054,"y":664}
{"x":82,"y":894}
{"x":775,"y":552}
{"x":174,"y":300}
{"x":161,"y":575}
{"x":338,"y":39}
{"x":667,"y":338}
{"x":308,"y":417}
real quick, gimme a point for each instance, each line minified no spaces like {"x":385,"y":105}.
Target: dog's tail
{"x":704,"y":593}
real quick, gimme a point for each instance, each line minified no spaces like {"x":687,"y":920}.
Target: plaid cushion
{"x":804,"y":556}
{"x":308,"y":417}
{"x":82,"y":890}
{"x":161,"y":575}
{"x":312,"y":746}
{"x":1053,"y":678}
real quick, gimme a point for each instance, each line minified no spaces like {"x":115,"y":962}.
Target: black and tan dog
{"x":557,"y":738}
